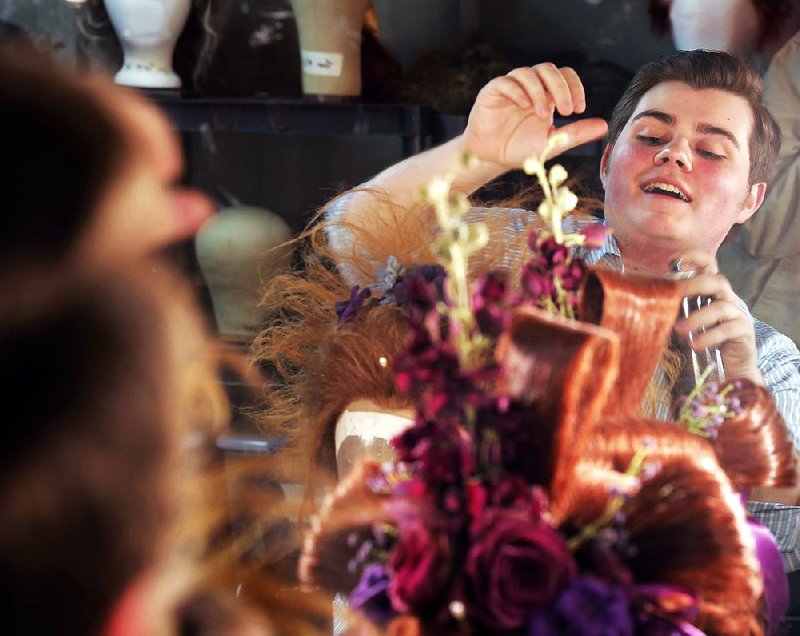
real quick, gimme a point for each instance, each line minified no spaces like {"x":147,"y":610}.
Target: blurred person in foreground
{"x":115,"y":519}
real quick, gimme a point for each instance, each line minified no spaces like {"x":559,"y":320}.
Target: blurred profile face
{"x":722,"y":25}
{"x":143,"y":209}
{"x":677,"y":177}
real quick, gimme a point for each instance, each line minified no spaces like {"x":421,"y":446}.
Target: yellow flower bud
{"x":558,"y":175}
{"x":532,"y":165}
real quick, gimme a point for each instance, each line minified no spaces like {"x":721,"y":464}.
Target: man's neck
{"x":652,"y":262}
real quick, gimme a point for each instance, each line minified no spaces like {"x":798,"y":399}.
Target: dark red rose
{"x":421,"y":563}
{"x":515,"y":567}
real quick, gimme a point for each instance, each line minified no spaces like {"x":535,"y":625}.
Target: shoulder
{"x":513,"y":219}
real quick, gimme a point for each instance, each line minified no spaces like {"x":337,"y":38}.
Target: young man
{"x":689,"y":148}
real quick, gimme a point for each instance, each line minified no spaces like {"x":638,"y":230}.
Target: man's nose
{"x":677,"y":151}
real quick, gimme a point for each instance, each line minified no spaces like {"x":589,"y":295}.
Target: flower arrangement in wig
{"x":528,"y":497}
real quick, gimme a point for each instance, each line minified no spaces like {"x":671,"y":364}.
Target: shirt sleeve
{"x":506,"y":226}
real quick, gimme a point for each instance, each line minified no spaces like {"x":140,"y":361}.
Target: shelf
{"x":280,"y":116}
{"x":419,"y":127}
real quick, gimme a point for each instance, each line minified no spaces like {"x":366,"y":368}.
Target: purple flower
{"x":420,"y":288}
{"x":571,"y":274}
{"x":488,"y":303}
{"x":371,"y":594}
{"x":515,"y":567}
{"x":439,"y":451}
{"x":537,"y":280}
{"x":552,"y":268}
{"x":595,"y":235}
{"x":586,"y":607}
{"x":347,"y":309}
{"x":512,"y":492}
{"x":434,"y":369}
{"x":421,"y":563}
{"x":387,"y":276}
{"x":424,"y":363}
{"x":477,"y":498}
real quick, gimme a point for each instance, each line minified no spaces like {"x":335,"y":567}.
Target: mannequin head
{"x":364,"y":429}
{"x":148,"y":31}
{"x":679,"y":516}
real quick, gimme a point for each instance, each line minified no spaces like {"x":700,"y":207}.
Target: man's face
{"x":677,"y":177}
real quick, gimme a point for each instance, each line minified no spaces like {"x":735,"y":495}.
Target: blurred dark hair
{"x":60,"y":150}
{"x":84,"y":463}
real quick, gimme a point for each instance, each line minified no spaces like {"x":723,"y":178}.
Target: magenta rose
{"x":421,"y":563}
{"x":515,"y":567}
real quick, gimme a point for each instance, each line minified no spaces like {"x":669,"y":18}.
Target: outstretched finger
{"x":580,"y":132}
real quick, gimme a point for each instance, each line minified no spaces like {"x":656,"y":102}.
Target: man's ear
{"x":604,"y":165}
{"x":752,"y":201}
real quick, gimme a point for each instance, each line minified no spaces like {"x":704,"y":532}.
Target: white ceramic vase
{"x":330,"y":45}
{"x":238,"y":250}
{"x":148,"y":31}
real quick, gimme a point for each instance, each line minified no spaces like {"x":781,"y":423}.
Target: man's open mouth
{"x":667,"y":189}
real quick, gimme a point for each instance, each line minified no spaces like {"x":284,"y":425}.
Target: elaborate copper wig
{"x":684,"y":519}
{"x":315,"y":368}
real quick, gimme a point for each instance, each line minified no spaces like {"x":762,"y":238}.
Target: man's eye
{"x":652,"y":141}
{"x":709,"y":155}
